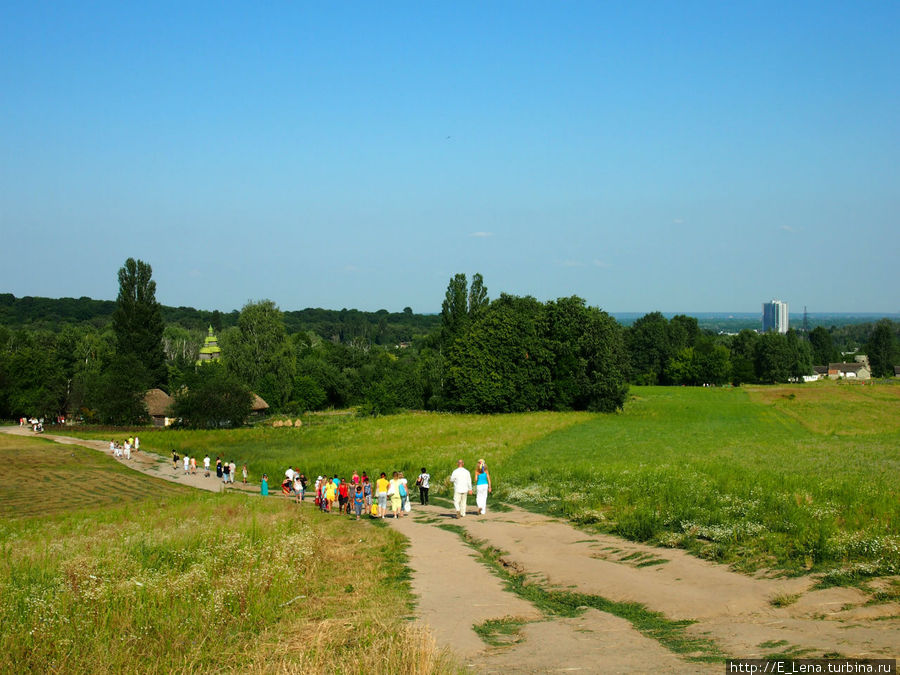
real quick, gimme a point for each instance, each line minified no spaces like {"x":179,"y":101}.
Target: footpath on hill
{"x":455,"y":592}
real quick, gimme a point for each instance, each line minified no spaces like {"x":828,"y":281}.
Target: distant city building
{"x":775,"y":316}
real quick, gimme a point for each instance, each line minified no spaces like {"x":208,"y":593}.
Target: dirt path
{"x":732,"y":609}
{"x":455,"y":592}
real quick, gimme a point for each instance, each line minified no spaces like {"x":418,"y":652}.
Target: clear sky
{"x":674,"y":156}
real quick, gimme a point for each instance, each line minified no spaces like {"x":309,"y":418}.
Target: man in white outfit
{"x":462,"y":486}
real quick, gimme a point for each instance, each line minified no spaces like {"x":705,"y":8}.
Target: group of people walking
{"x":360,"y":494}
{"x":225,"y":471}
{"x":124,"y":448}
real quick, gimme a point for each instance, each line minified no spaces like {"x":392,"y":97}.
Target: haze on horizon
{"x":686,"y":157}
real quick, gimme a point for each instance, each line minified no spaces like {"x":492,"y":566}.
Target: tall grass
{"x":727,"y":478}
{"x":206,"y":583}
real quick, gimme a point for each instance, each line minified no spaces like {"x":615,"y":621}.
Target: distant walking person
{"x":482,"y":487}
{"x":422,"y":481}
{"x":462,"y":486}
{"x":382,"y":485}
{"x":264,"y":485}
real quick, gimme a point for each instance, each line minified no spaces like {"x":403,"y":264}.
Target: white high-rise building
{"x":775,"y":316}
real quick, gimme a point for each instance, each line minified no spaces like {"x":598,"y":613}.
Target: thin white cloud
{"x":678,"y":221}
{"x":351,"y":268}
{"x":481,"y":235}
{"x":572,"y":263}
{"x":602,"y":264}
{"x":195,"y":274}
{"x":788,"y":228}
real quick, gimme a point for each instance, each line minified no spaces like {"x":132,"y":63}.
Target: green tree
{"x":213,"y":398}
{"x":800,"y":354}
{"x":36,"y":383}
{"x":454,"y":309}
{"x":137,"y":320}
{"x":821,"y":345}
{"x":93,"y":353}
{"x":501,"y":364}
{"x":478,"y":297}
{"x":523,"y":355}
{"x":773,"y":358}
{"x":881,"y":349}
{"x":259,"y":352}
{"x":120,"y":395}
{"x":649,"y":348}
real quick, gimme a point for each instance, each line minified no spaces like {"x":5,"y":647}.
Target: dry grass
{"x":207,"y":583}
{"x":840,"y":408}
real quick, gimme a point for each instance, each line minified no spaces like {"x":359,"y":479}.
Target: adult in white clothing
{"x":462,"y":486}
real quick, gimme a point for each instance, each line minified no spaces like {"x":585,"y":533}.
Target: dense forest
{"x":93,"y":359}
{"x":381,"y":327}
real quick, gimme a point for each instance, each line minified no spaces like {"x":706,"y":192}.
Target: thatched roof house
{"x":259,"y":406}
{"x":158,"y":404}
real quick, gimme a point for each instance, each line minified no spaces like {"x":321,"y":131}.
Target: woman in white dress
{"x":482,"y":486}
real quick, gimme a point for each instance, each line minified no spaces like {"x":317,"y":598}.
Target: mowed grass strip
{"x":208,"y":583}
{"x":729,"y":477}
{"x":41,"y":477}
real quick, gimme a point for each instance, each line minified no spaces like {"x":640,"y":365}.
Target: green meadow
{"x":798,"y":478}
{"x":765,"y":477}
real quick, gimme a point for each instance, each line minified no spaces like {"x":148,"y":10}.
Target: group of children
{"x":124,"y":448}
{"x":360,"y":495}
{"x":225,"y":471}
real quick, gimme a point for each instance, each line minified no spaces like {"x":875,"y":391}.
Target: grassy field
{"x":175,"y":580}
{"x":754,"y":478}
{"x":41,"y":477}
{"x":800,"y":478}
{"x":344,"y":443}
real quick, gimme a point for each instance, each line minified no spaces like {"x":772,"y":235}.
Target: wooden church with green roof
{"x":210,"y":350}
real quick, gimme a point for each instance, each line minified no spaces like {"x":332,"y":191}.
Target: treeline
{"x":480,"y":355}
{"x":345,"y":325}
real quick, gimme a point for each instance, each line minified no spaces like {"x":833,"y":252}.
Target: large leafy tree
{"x":478,"y":297}
{"x":120,"y":395}
{"x":501,"y":363}
{"x":821,"y":346}
{"x":881,"y":349}
{"x":213,"y":397}
{"x":649,"y":348}
{"x":773,"y":358}
{"x":743,"y":356}
{"x":35,"y":381}
{"x":259,"y":352}
{"x":137,"y":320}
{"x":524,"y":355}
{"x":454,"y":309}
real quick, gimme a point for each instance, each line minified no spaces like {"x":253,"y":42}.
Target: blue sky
{"x":684,"y":156}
